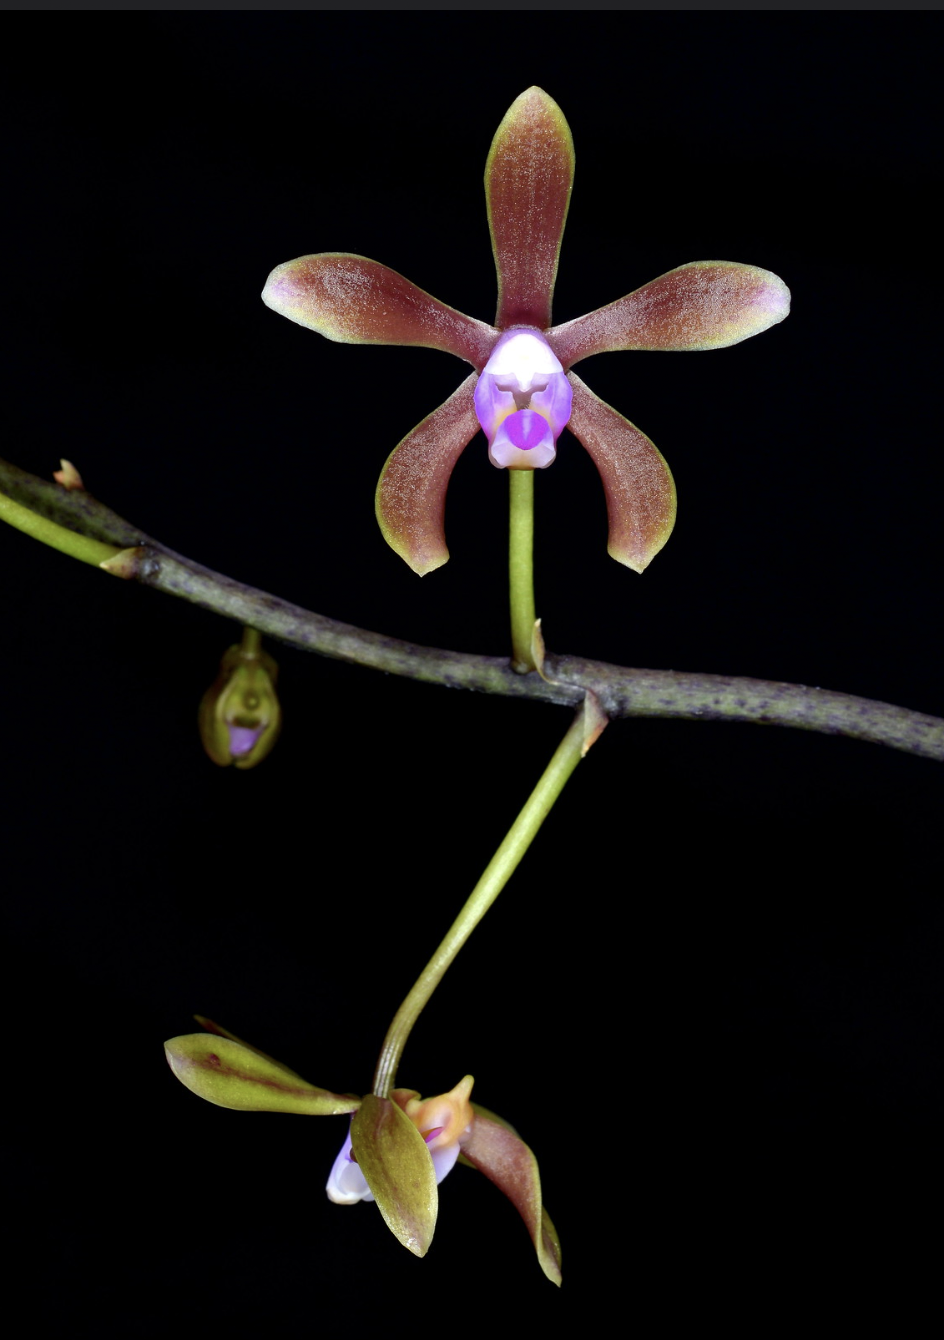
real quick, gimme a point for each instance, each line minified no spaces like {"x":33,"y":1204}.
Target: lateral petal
{"x":358,"y":301}
{"x":528,"y":179}
{"x":704,"y":305}
{"x":411,"y":492}
{"x":640,"y":491}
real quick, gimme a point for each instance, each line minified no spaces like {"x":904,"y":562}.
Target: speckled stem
{"x":622,"y":692}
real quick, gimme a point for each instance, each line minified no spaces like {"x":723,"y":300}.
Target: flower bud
{"x":240,"y":715}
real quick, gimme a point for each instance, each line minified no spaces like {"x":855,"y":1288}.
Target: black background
{"x":709,"y":998}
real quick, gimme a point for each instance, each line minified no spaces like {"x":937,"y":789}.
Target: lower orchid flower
{"x":522,"y":391}
{"x":445,"y":1123}
{"x":397,"y":1150}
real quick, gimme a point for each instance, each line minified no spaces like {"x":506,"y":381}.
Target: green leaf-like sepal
{"x":394,"y":1159}
{"x":233,"y":1075}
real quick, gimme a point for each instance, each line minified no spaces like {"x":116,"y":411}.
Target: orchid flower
{"x":445,"y":1123}
{"x":522,"y":391}
{"x":398,"y":1149}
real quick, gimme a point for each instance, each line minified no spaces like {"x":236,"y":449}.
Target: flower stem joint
{"x":523,"y":390}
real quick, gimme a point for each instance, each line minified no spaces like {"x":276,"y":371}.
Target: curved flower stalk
{"x":523,"y":392}
{"x":397,"y":1150}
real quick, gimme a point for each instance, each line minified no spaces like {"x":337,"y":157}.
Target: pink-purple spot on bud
{"x":243,"y":738}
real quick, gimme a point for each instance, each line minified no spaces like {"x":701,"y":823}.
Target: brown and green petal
{"x":528,"y":179}
{"x":704,"y":305}
{"x":354,"y":300}
{"x":499,"y":1152}
{"x":411,"y":492}
{"x":638,"y":484}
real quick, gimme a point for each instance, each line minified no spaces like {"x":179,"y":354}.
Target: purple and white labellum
{"x":347,"y":1184}
{"x":522,"y":401}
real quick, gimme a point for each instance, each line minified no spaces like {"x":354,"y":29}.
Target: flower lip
{"x":522,"y":401}
{"x":346,"y":1183}
{"x":524,"y":441}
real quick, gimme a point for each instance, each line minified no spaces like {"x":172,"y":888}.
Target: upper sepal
{"x":528,"y":179}
{"x":358,"y":301}
{"x":499,"y":1152}
{"x":231,"y":1074}
{"x":704,"y":305}
{"x":392,"y":1155}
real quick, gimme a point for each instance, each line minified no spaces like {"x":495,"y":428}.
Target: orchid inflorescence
{"x":522,"y":393}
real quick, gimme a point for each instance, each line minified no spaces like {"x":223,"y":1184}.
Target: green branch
{"x":67,"y":541}
{"x":622,"y":692}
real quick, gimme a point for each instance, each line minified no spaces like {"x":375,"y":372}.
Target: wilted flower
{"x":523,"y":392}
{"x":398,"y":1148}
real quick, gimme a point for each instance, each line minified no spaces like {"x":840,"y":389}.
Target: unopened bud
{"x":240,"y":715}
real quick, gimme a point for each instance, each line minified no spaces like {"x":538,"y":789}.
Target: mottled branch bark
{"x":622,"y":692}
